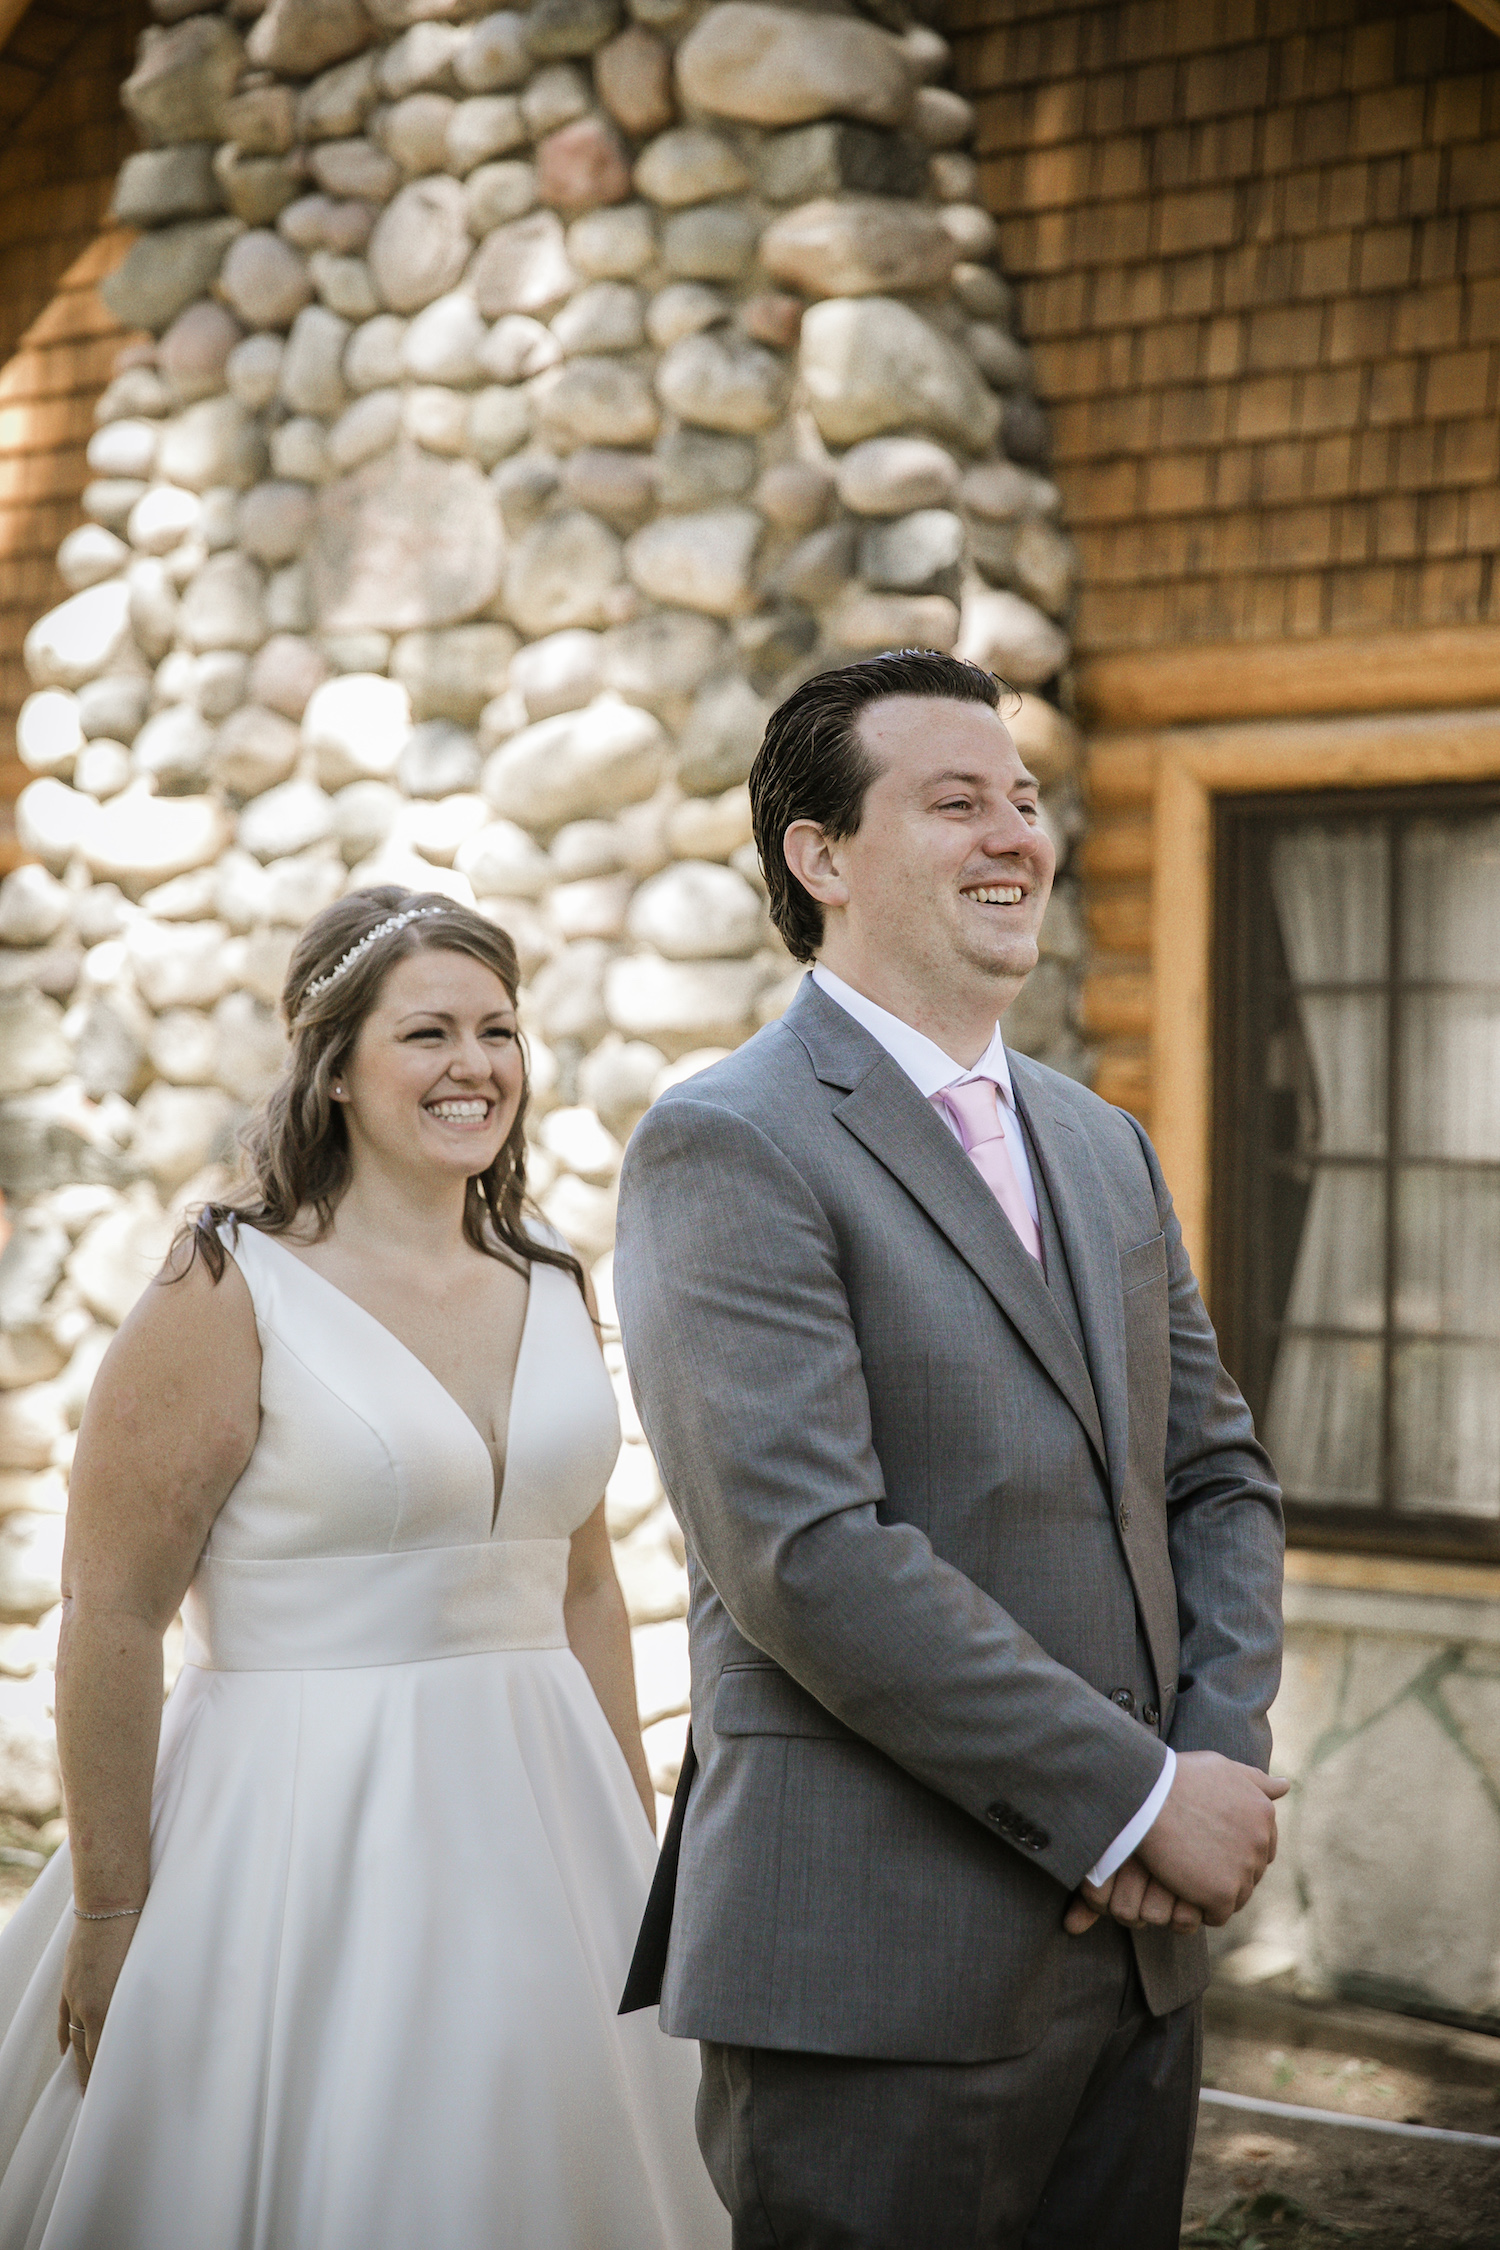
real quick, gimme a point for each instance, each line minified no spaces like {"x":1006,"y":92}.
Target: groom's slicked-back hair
{"x":811,"y":764}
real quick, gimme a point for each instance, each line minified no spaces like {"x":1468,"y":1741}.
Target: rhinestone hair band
{"x":381,"y":929}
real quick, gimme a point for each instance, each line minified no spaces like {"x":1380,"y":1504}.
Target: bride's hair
{"x":296,"y":1146}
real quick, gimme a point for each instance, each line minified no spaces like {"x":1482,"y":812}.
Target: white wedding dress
{"x":397,"y":1858}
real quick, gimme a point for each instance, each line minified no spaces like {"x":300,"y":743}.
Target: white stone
{"x":554,"y":98}
{"x":723,"y":381}
{"x":32,"y":1422}
{"x":177,"y":964}
{"x":223,"y":604}
{"x":608,"y":316}
{"x":1010,"y":636}
{"x":137,"y":840}
{"x":123,"y":449}
{"x":34,"y":1050}
{"x":488,"y":126}
{"x":615,"y":243}
{"x":420,"y":244}
{"x":287,"y":819}
{"x":118,"y":1254}
{"x":493,"y":53}
{"x":254,"y":750}
{"x":311,"y":368}
{"x":684,"y":308}
{"x":187,"y":898}
{"x":175,"y":746}
{"x":30,"y":1574}
{"x":344,"y":285}
{"x":502,"y":861}
{"x":690,"y":165}
{"x":497,"y":193}
{"x":453,"y":674}
{"x":436,"y":418}
{"x":414,"y":131}
{"x":406,"y":541}
{"x":869,"y":622}
{"x":616,"y":1080}
{"x":274,"y":520}
{"x":365,"y":813}
{"x":215,"y":442}
{"x":302,"y":884}
{"x":560,"y":573}
{"x":656,"y":660}
{"x":595,"y":401}
{"x":356,"y":170}
{"x":905,"y":554}
{"x":711,"y":827}
{"x":698,"y":910}
{"x":439,"y":827}
{"x":443,"y":343}
{"x":522,"y":267}
{"x":55,"y":821}
{"x":887,"y":476}
{"x":704,"y":561}
{"x":163,"y":518}
{"x":579,"y":763}
{"x":663,"y":1669}
{"x":253,"y":371}
{"x":299,"y":450}
{"x":578,"y":1141}
{"x":422,"y":56}
{"x":153,"y":605}
{"x":251,"y":1047}
{"x":517,"y":347}
{"x":499,"y":420}
{"x":858,"y":245}
{"x":33,"y":907}
{"x":682,"y":1003}
{"x":592,"y":907}
{"x":89,"y":555}
{"x":179,"y":1129}
{"x":49,"y":732}
{"x":103,"y":768}
{"x":872,"y":364}
{"x":183,"y":1047}
{"x":373,"y":359}
{"x":84,"y":636}
{"x":355,"y":728}
{"x":583,"y":1215}
{"x":370,"y":426}
{"x":560,"y":672}
{"x":774,"y":66}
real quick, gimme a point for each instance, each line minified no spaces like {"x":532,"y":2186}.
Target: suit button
{"x":1124,"y":1698}
{"x":999,"y":1814}
{"x":1150,"y":1714}
{"x":1124,"y":1519}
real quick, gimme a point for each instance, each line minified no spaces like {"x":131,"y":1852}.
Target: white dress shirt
{"x":932,"y":1072}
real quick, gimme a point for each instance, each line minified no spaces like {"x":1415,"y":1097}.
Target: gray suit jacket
{"x":952,"y":1582}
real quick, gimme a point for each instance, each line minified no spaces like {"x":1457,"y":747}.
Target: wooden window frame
{"x":1195,"y":768}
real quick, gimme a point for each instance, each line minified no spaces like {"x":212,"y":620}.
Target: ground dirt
{"x":1280,"y":2184}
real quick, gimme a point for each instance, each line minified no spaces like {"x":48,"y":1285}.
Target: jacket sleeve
{"x":746,"y":1368}
{"x":1224,"y":1529}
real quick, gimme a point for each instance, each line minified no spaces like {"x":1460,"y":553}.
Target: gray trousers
{"x":1081,"y":2143}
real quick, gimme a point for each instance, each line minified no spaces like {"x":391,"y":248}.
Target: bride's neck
{"x":419,"y":1221}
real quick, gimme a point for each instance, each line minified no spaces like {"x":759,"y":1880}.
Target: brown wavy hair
{"x":296,"y":1146}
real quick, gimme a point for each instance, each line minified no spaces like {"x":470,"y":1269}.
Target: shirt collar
{"x":924,"y":1062}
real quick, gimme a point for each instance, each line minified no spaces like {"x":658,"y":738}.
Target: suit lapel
{"x":887,"y":1115}
{"x":1080,"y":1206}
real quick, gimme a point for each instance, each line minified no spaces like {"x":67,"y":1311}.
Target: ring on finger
{"x":82,"y":2028}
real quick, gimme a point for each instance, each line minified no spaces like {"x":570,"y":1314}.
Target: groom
{"x":985,"y":1558}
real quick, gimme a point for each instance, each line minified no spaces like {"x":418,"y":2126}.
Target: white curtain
{"x":1447,"y":1360}
{"x":1331,"y":888}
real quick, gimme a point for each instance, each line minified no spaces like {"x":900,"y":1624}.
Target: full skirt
{"x":371,"y":2002}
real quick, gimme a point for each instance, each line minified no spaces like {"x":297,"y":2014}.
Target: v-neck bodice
{"x":363,"y":1451}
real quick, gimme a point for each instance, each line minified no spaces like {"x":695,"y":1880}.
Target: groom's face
{"x":950,"y":867}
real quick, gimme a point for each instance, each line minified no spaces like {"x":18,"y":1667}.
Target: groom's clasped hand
{"x":1210,"y":1845}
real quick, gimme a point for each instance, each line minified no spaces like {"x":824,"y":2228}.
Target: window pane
{"x":1450,"y":1071}
{"x":1447,"y":1252}
{"x":1324,"y":1418}
{"x":1451,"y":900}
{"x":1345,"y":1034}
{"x":1339,"y":1278}
{"x":1332,"y":888}
{"x":1447,"y":1429}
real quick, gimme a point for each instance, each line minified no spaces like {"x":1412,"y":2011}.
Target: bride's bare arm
{"x":171,"y":1422}
{"x":599,"y":1636}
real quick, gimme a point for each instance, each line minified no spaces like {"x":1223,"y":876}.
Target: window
{"x":1357,"y":1156}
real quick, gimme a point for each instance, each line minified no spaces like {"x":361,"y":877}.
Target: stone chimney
{"x":528,"y":401}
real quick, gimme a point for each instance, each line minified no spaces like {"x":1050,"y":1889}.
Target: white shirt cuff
{"x":1124,"y":1844}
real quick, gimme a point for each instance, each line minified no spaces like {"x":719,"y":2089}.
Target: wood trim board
{"x":1456,"y":665}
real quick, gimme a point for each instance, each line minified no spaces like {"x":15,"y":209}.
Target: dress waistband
{"x":332,"y":1612}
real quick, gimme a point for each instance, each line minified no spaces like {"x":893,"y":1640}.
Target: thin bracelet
{"x":115,"y":1914}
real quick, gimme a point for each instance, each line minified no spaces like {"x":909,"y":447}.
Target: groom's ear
{"x":812,"y":858}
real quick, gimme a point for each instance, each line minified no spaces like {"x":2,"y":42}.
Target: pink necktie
{"x":975,"y":1108}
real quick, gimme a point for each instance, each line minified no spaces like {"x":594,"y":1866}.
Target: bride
{"x":337,"y":1957}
